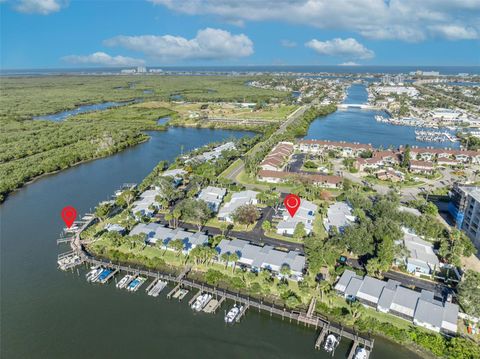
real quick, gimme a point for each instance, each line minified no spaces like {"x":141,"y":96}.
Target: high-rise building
{"x":465,"y":209}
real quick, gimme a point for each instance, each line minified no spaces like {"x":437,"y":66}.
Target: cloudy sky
{"x":79,"y":33}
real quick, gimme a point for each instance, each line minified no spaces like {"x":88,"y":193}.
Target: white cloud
{"x":347,"y":48}
{"x":348,"y":63}
{"x":42,"y":7}
{"x":101,"y":58}
{"x":408,"y":20}
{"x":208,"y":44}
{"x":288,"y":43}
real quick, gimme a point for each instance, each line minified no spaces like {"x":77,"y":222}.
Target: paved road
{"x":439,"y":289}
{"x":290,"y":118}
{"x":256,"y":235}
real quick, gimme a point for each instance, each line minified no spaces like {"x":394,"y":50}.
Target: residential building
{"x":471,"y":220}
{"x":421,"y":167}
{"x":390,"y":297}
{"x":305,"y":214}
{"x":114,"y":227}
{"x":389,"y":174}
{"x":345,"y":149}
{"x":321,"y":180}
{"x":155,"y":232}
{"x":213,"y":196}
{"x":238,"y":199}
{"x":214,"y":154}
{"x":339,"y":215}
{"x":422,"y":259}
{"x":266,"y":257}
{"x":278,"y":157}
{"x":146,"y":204}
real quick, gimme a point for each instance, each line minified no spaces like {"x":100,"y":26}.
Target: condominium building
{"x":465,"y":209}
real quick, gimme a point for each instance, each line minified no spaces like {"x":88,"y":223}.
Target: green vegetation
{"x":469,"y":293}
{"x":30,"y":148}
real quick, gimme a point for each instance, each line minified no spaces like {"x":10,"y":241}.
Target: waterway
{"x":47,"y":313}
{"x":61,"y":116}
{"x":356,"y":125}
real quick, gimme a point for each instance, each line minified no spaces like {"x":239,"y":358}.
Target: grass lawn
{"x":275,"y":235}
{"x":215,"y":222}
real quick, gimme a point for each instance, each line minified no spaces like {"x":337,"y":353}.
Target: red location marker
{"x":292,"y":202}
{"x":68,"y":215}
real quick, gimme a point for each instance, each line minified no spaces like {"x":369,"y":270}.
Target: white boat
{"x":201,"y":302}
{"x":330,"y":343}
{"x":361,"y":353}
{"x":124,"y":281}
{"x":233,"y":314}
{"x":95,"y":272}
{"x":157,"y":288}
{"x":135,"y":284}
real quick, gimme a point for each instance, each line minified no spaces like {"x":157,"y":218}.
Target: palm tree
{"x":324,"y":288}
{"x":226,"y":257}
{"x":234,"y":257}
{"x":168,"y":217}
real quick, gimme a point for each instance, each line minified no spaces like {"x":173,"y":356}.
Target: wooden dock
{"x":246,"y":301}
{"x":353,"y":349}
{"x":190,"y":302}
{"x":241,"y":314}
{"x":321,"y":337}
{"x":174,"y":290}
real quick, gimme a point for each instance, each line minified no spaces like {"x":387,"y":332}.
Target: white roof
{"x":238,"y":199}
{"x":339,"y":214}
{"x":178,"y":172}
{"x":306,"y":212}
{"x":262,"y":257}
{"x":419,"y":249}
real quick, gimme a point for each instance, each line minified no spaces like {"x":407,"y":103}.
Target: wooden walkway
{"x":299,"y":317}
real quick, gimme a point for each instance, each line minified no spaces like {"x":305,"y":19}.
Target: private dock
{"x":242,"y":312}
{"x":308,"y":319}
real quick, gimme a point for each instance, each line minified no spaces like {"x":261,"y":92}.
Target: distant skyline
{"x":66,"y":34}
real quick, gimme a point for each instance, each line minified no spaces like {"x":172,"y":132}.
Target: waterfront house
{"x":305,"y":214}
{"x":155,"y":232}
{"x":146,"y":205}
{"x":214,"y":154}
{"x":213,"y":196}
{"x":238,"y":199}
{"x":344,"y":149}
{"x":390,"y":297}
{"x":114,"y":227}
{"x":176,"y":174}
{"x":267,"y":257}
{"x":339,"y":215}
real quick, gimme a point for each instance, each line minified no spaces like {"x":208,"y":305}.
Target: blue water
{"x":163,"y":120}
{"x":356,"y":125}
{"x":466,"y":84}
{"x":61,"y":116}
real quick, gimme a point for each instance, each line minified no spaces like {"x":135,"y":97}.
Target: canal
{"x":356,"y":125}
{"x":47,"y":313}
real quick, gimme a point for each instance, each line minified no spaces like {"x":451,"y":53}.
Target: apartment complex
{"x":465,"y":209}
{"x":421,"y":308}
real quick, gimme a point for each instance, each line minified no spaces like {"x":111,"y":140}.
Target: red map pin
{"x":292,"y":202}
{"x":68,"y":215}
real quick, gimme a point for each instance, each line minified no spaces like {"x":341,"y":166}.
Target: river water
{"x":357,"y":125}
{"x":47,"y":313}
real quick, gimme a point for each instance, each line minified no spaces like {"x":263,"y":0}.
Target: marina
{"x":434,"y":136}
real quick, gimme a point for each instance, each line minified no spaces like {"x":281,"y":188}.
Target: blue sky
{"x":61,"y":33}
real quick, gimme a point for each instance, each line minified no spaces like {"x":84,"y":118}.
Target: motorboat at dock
{"x":201,"y":302}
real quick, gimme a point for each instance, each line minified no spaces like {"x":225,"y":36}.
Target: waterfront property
{"x":390,"y":297}
{"x":345,"y":149}
{"x":214,"y":154}
{"x":238,"y":199}
{"x":421,"y":259}
{"x":305,"y":214}
{"x":339,"y":215}
{"x":155,"y":232}
{"x":213,"y":196}
{"x":146,"y":204}
{"x":266,"y":257}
